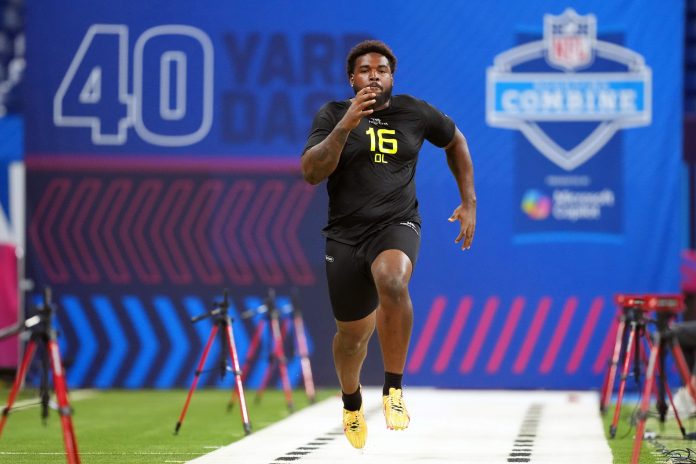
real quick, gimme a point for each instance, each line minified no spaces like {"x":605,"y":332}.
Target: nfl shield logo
{"x":569,"y":40}
{"x":580,"y":97}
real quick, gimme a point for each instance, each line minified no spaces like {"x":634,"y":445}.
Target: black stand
{"x":43,"y":335}
{"x":632,"y":331}
{"x":222,"y":323}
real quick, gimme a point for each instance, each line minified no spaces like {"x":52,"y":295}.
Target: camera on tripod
{"x":649,"y":350}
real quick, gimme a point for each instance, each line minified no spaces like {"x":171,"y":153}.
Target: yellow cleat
{"x":395,"y":410}
{"x":355,"y":427}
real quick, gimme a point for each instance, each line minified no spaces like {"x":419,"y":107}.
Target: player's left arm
{"x":459,"y":161}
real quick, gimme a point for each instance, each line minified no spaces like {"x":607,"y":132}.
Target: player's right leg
{"x":349,"y":351}
{"x":353,"y":301}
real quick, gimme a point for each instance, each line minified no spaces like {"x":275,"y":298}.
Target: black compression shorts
{"x":351,"y":288}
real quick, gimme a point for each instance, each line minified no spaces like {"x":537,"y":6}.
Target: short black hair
{"x":370,"y":46}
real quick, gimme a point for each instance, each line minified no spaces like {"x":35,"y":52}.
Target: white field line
{"x":74,"y":395}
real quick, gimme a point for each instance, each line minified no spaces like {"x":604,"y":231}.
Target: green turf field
{"x":137,"y":426}
{"x":667,"y":444}
{"x":622,"y":445}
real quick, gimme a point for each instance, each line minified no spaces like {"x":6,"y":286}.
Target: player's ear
{"x":351,"y":80}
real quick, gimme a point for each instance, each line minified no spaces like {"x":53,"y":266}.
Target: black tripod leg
{"x":662,"y":384}
{"x":682,"y":367}
{"x":44,"y":390}
{"x":671,"y":404}
{"x":684,"y":372}
{"x":222,"y":363}
{"x":637,"y":357}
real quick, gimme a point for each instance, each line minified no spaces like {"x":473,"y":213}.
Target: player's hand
{"x":466,"y":215}
{"x":360,"y":106}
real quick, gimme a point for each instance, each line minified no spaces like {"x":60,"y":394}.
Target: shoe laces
{"x":396,"y":402}
{"x":354,"y":422}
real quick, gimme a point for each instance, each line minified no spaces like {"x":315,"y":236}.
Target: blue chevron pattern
{"x":117,"y":347}
{"x":179,"y":343}
{"x":134,"y":342}
{"x":86,"y":344}
{"x":147,"y":353}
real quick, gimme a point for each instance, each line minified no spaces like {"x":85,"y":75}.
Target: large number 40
{"x":171,"y":102}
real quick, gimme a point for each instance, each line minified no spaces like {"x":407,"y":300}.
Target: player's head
{"x":372,"y":63}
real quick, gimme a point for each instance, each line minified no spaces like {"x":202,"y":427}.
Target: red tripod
{"x":667,"y":307}
{"x":222,"y":323}
{"x":277,"y":354}
{"x":278,"y":358}
{"x":302,"y":348}
{"x":43,"y":334}
{"x":631,"y":339}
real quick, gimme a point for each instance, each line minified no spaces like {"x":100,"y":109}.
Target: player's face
{"x":372,"y":69}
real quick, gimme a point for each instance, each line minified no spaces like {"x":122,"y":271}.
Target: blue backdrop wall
{"x":162,"y":148}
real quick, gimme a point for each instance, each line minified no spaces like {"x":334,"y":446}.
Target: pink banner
{"x":8,"y":304}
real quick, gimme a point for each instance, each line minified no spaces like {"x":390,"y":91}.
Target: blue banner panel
{"x":163,"y":166}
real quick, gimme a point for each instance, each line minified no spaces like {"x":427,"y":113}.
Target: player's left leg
{"x":393,"y":254}
{"x":391,"y":271}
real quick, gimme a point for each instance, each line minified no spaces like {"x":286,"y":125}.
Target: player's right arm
{"x":319,"y":161}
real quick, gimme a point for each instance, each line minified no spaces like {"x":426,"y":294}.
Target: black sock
{"x":352,"y":401}
{"x":391,"y":380}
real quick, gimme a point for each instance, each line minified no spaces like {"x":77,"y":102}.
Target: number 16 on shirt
{"x":387,"y":145}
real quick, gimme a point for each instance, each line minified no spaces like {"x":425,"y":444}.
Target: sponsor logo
{"x":377,"y":122}
{"x":573,"y":205}
{"x":568,"y":89}
{"x":567,"y":205}
{"x":329,"y":259}
{"x":536,"y":205}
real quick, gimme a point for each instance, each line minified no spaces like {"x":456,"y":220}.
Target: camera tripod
{"x":302,"y":347}
{"x":631,"y":332}
{"x":276,"y":351}
{"x":44,"y":336}
{"x":222,"y":324}
{"x":664,"y":342}
{"x":632,"y":337}
{"x":277,"y":356}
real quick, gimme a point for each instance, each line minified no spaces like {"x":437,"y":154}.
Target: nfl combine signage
{"x":568,"y":94}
